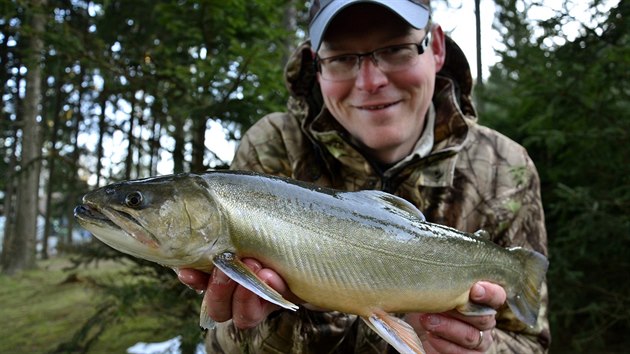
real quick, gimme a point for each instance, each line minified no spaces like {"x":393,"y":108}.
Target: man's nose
{"x":370,"y":77}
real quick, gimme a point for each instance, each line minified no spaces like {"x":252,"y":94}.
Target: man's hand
{"x":228,"y":300}
{"x":452,"y":332}
{"x":448,"y":332}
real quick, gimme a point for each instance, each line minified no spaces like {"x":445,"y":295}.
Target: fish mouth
{"x":116,"y":220}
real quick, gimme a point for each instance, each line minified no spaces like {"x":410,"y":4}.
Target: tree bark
{"x":23,"y":247}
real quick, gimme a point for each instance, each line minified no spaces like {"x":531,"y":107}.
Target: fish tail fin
{"x":398,"y":333}
{"x":525,"y":301}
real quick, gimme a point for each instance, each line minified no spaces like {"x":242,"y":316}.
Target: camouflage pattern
{"x":474,"y":178}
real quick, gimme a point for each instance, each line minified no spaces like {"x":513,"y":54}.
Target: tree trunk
{"x":102,"y":128}
{"x":9,"y":203}
{"x":154,"y":142}
{"x":52,"y":159}
{"x":199,"y":143}
{"x":11,"y":192}
{"x":478,"y":24}
{"x":23,"y":247}
{"x":131,"y":139}
{"x":290,"y":24}
{"x":178,"y":150}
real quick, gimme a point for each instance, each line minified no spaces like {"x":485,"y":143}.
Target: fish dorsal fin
{"x":389,"y":202}
{"x":398,"y":333}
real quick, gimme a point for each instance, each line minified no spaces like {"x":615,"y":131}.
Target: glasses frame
{"x":420,"y":46}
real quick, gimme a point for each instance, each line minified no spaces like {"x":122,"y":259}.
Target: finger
{"x":194,"y":279}
{"x":219,"y":296}
{"x":248,"y":309}
{"x":488,"y":293}
{"x":445,"y":331}
{"x":436,"y":344}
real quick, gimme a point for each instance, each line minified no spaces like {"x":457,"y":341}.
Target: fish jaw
{"x":111,"y":227}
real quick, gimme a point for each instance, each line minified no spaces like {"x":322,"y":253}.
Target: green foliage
{"x":567,"y":103}
{"x":142,"y":78}
{"x":50,"y":310}
{"x":142,"y":289}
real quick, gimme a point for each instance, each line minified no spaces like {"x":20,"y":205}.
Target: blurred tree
{"x":132,"y":85}
{"x":19,"y":253}
{"x":567,"y":101}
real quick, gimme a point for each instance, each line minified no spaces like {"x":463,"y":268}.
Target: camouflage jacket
{"x":473,"y":178}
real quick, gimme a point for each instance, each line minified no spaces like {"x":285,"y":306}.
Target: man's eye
{"x":397,"y":50}
{"x":342,"y":59}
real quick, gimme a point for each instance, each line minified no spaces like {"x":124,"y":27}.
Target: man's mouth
{"x":377,"y":107}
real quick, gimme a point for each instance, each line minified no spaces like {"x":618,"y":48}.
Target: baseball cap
{"x":415,"y":12}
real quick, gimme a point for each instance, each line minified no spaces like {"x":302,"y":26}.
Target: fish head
{"x":172,"y":220}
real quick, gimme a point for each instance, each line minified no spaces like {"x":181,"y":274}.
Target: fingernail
{"x":432,"y":320}
{"x":478,"y":292}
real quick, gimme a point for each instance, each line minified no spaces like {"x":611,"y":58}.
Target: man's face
{"x":384,"y":112}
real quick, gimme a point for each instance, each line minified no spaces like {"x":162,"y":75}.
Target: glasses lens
{"x":396,"y":58}
{"x":339,"y":68}
{"x":387,"y":59}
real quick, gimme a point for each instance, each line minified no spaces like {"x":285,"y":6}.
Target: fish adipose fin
{"x":525,"y":302}
{"x":240,"y":273}
{"x":398,"y":333}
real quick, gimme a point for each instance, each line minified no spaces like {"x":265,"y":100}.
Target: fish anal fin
{"x":473,"y":309}
{"x":398,"y":333}
{"x":240,"y":273}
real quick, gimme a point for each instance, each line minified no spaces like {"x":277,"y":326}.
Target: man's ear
{"x":438,"y":47}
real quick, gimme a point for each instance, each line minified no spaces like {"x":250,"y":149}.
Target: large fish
{"x":367,"y":253}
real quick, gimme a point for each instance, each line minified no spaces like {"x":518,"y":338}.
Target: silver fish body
{"x":368,"y":253}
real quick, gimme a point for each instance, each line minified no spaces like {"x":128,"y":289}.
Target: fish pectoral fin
{"x":473,"y":309}
{"x":398,"y":333}
{"x":240,"y":273}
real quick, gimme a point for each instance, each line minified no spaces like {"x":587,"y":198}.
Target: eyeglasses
{"x":388,"y":59}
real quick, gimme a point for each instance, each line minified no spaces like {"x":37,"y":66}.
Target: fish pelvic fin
{"x":525,"y":302}
{"x":398,"y":333}
{"x":240,"y":273}
{"x":205,"y":321}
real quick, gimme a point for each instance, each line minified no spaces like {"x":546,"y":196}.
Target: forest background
{"x":154,"y":81}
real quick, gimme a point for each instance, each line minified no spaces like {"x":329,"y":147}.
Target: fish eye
{"x":134,"y":199}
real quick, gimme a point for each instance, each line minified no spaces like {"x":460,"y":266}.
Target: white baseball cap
{"x":414,"y":12}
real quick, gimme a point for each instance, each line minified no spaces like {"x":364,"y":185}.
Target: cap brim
{"x":407,"y":10}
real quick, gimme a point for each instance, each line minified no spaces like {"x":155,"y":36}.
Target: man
{"x":380,"y":99}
